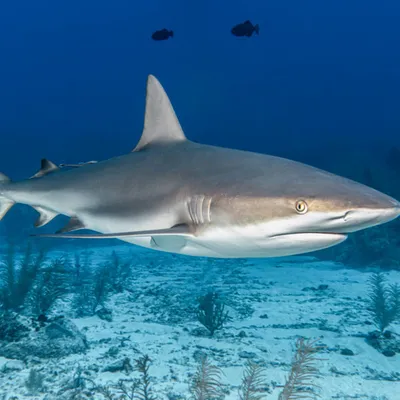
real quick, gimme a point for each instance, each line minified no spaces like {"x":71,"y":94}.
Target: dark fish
{"x":245,"y":29}
{"x":163,"y":34}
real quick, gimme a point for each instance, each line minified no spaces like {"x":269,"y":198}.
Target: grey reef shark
{"x":175,"y":195}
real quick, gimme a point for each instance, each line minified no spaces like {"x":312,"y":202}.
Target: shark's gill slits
{"x":199,"y":209}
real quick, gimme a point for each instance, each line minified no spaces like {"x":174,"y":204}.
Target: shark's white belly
{"x":227,"y":242}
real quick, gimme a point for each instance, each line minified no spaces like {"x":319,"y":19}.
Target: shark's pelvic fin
{"x":178,"y":230}
{"x":46,"y":167}
{"x":5,"y":204}
{"x":160,"y":122}
{"x":45,"y":216}
{"x":74,"y":224}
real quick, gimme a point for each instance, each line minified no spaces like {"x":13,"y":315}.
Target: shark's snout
{"x":361,"y":208}
{"x":361,"y":218}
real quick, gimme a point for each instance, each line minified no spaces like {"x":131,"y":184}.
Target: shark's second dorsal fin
{"x":160,"y":122}
{"x":46,"y":167}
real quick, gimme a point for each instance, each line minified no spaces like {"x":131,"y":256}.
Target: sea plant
{"x":253,"y":382}
{"x":211,"y":312}
{"x":53,"y":283}
{"x":18,"y":278}
{"x":11,"y":329}
{"x":129,"y":389}
{"x":206,"y":383}
{"x":35,"y":382}
{"x":81,"y":270}
{"x":144,"y":389}
{"x":93,"y":286}
{"x":83,"y":282}
{"x":384,"y":301}
{"x":120,"y":272}
{"x":102,"y":285}
{"x":299,"y":384}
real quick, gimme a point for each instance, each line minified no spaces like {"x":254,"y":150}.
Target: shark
{"x":175,"y":195}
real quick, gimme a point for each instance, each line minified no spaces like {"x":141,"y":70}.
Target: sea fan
{"x":144,"y":390}
{"x":16,"y":281}
{"x":53,"y":283}
{"x":384,"y":302}
{"x":252,"y":382}
{"x":299,"y":384}
{"x":211,"y":312}
{"x":206,"y":383}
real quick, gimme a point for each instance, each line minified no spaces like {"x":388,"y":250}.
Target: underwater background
{"x":320,"y":84}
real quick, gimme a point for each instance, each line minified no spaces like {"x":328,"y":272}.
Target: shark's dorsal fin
{"x":160,"y":122}
{"x":46,"y":167}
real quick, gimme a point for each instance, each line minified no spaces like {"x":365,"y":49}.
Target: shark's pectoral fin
{"x":177,"y":230}
{"x":171,"y":243}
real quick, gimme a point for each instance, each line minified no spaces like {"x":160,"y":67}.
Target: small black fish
{"x":163,"y":34}
{"x":245,"y":29}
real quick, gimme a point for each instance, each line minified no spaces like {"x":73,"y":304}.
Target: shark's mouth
{"x":307,"y":241}
{"x":316,"y":233}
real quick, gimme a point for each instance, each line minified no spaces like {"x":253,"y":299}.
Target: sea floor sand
{"x":271,"y":303}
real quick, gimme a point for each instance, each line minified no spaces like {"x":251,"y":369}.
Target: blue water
{"x":321,"y":75}
{"x":320,"y":84}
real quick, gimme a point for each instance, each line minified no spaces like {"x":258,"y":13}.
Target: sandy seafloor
{"x":269,"y":310}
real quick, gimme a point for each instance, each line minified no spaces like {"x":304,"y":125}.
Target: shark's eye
{"x":301,"y":206}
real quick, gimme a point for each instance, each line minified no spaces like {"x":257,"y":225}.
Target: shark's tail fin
{"x":257,"y":29}
{"x":171,"y":33}
{"x":5,"y":203}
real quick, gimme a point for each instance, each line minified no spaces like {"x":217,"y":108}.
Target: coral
{"x":253,"y":382}
{"x":129,"y":389}
{"x":299,"y":384}
{"x":18,"y":281}
{"x":144,"y":391}
{"x":92,"y":289}
{"x":11,"y":329}
{"x":53,"y":283}
{"x":377,"y":246}
{"x":206,"y":384}
{"x":35,"y":382}
{"x":120,"y":272}
{"x":211,"y":312}
{"x":84,"y":303}
{"x":102,"y":285}
{"x":59,"y":338}
{"x":384,"y":301}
